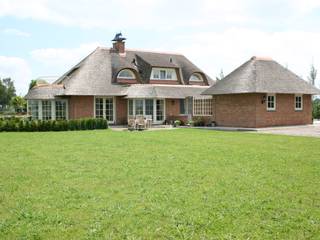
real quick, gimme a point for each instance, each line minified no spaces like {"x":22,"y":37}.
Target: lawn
{"x":179,"y":184}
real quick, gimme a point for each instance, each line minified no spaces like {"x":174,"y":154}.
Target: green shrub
{"x":199,"y":121}
{"x":316,"y":109}
{"x":14,"y":125}
{"x":177,"y":123}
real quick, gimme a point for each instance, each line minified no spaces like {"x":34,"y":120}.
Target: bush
{"x":20,"y":125}
{"x":199,"y":122}
{"x":177,"y":123}
{"x":316,"y":109}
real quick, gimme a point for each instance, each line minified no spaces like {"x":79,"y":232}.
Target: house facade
{"x":117,"y":83}
{"x":262,"y":93}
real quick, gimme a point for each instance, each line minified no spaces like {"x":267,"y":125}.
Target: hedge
{"x":18,"y":125}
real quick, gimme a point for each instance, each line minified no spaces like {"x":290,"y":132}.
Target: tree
{"x":312,"y":75}
{"x":32,"y":84}
{"x":19,"y":104}
{"x":7,"y":91}
{"x":221,"y":75}
{"x":316,"y":109}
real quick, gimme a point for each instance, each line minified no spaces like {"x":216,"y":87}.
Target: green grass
{"x":181,"y":184}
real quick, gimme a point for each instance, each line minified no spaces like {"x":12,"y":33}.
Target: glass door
{"x":159,"y":110}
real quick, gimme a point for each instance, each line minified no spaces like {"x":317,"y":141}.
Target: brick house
{"x":117,"y":83}
{"x":261,"y":93}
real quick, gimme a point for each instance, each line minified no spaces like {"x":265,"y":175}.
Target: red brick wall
{"x":173,"y":110}
{"x":246,"y":110}
{"x":127,"y":81}
{"x":121,"y":110}
{"x":236,"y":110}
{"x":285,"y":114}
{"x":81,"y":107}
{"x":169,"y":82}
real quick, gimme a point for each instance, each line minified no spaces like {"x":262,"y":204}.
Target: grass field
{"x":179,"y":184}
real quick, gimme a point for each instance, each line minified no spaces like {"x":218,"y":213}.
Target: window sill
{"x":271,"y":110}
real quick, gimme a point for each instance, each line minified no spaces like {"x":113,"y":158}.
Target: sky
{"x":47,"y":37}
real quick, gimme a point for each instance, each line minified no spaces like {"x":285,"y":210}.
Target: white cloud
{"x":18,"y":70}
{"x":228,"y":49}
{"x":115,"y":14}
{"x":55,"y":61}
{"x":16,"y":32}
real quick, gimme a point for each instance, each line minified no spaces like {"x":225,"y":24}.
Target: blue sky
{"x":43,"y":37}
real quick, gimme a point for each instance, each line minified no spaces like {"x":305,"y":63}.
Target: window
{"x":33,"y":109}
{"x":149,"y":107}
{"x":99,"y":107}
{"x":183,"y":106}
{"x":163,"y":74}
{"x":126,"y":73}
{"x":61,"y":110}
{"x":298,"y":102}
{"x":159,"y":110}
{"x":139,"y":106}
{"x":46,"y":110}
{"x":271,"y":102}
{"x":104,"y":108}
{"x":202,"y":106}
{"x":196,"y":77}
{"x":130,"y":106}
{"x":109,"y":109}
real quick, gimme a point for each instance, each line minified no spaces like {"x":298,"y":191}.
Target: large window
{"x":104,"y":108}
{"x":61,"y":110}
{"x":298,"y":102}
{"x":163,"y":74}
{"x":202,"y":106}
{"x":139,"y":106}
{"x":126,"y":73}
{"x":185,"y":106}
{"x":46,"y":110}
{"x":99,"y":107}
{"x":271,"y":102}
{"x":149,"y":108}
{"x":160,"y":110}
{"x":33,"y":109}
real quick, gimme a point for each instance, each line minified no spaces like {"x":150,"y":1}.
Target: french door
{"x":154,"y":108}
{"x":104,"y":108}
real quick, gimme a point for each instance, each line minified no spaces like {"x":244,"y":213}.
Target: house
{"x":262,"y":93}
{"x":117,"y":83}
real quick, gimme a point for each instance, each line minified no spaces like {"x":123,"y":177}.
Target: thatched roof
{"x":261,"y":75}
{"x":95,"y":75}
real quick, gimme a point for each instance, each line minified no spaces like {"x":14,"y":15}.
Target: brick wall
{"x":285,"y":113}
{"x":235,"y":110}
{"x":173,"y":110}
{"x":81,"y":107}
{"x":247,"y":110}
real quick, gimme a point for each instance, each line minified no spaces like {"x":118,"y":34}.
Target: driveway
{"x":306,"y":130}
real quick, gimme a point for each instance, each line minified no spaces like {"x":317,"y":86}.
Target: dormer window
{"x":196,"y":77}
{"x":126,"y":74}
{"x":163,"y":74}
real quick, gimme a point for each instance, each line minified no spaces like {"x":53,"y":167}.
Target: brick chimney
{"x":118,"y":43}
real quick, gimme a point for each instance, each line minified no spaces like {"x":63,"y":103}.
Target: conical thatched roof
{"x":261,"y":75}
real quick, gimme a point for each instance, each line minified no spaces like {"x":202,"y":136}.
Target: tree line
{"x":8,"y":98}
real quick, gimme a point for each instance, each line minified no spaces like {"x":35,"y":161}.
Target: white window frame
{"x":154,"y":117}
{"x":198,"y":75}
{"x":104,"y":107}
{"x":53,"y":108}
{"x":173,"y":74}
{"x":124,"y":70}
{"x":202,"y":106}
{"x":275,"y":102}
{"x":295,"y":102}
